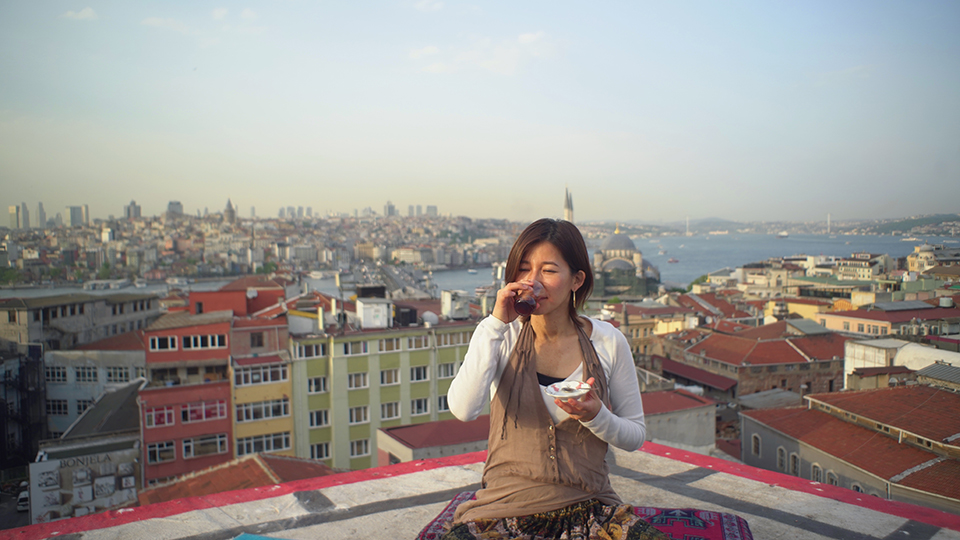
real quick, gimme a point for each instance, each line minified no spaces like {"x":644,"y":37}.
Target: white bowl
{"x":565,"y":390}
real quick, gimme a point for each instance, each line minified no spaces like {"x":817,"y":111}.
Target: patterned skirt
{"x":589,"y":520}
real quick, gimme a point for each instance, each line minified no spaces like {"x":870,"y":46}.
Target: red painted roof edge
{"x":128,"y":515}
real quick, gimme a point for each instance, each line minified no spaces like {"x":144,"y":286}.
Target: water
{"x":697,"y":255}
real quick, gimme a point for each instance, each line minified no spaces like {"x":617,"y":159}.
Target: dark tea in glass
{"x":527,"y":299}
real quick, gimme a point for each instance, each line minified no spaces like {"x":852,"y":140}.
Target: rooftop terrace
{"x":396,"y":502}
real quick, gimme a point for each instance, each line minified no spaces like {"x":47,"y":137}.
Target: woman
{"x":546,"y":474}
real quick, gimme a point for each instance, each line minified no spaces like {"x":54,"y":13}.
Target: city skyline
{"x":644,"y":111}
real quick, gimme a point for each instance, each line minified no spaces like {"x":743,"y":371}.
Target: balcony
{"x":395,"y":502}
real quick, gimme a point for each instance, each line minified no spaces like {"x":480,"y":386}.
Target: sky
{"x":653,"y":111}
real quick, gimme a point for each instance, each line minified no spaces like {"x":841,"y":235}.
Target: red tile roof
{"x":737,"y":350}
{"x":247,"y":472}
{"x":822,"y":346}
{"x":923,"y":410}
{"x":886,"y":370}
{"x":697,"y":375}
{"x":873,"y":452}
{"x":442,"y":433}
{"x":129,"y":341}
{"x":673,"y":400}
{"x":767,"y":331}
{"x":727,"y":327}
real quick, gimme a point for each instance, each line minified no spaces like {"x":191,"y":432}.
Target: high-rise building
{"x":309,"y":211}
{"x":291,"y":212}
{"x":74,"y":216}
{"x":174,"y":207}
{"x":432,"y":210}
{"x":86,"y":214}
{"x":389,"y":209}
{"x":41,"y":216}
{"x":281,"y":213}
{"x":567,"y":206}
{"x":24,"y":216}
{"x":300,"y":212}
{"x":419,"y":210}
{"x":132,"y":210}
{"x":410,"y":211}
{"x":15,"y":216}
{"x":253,"y":212}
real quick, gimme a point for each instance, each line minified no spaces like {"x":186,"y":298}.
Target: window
{"x":11,"y":316}
{"x":355,"y":347}
{"x":158,"y":417}
{"x":55,"y":374}
{"x":442,"y":405}
{"x":262,"y":410}
{"x":846,"y":325}
{"x":199,"y":308}
{"x":261,"y":374}
{"x":359,"y":415}
{"x":319,"y":418}
{"x":816,"y":473}
{"x":445,"y":371}
{"x":161,"y":452}
{"x":391,"y":344}
{"x":203,"y":410}
{"x":832,"y":479}
{"x":320,"y":451}
{"x":419,"y":406}
{"x":118,"y":374}
{"x":390,"y":411}
{"x":755,"y":444}
{"x":263,"y":443}
{"x":316,"y":385}
{"x":795,"y":464}
{"x":205,"y":446}
{"x":85,"y":374}
{"x":57,"y":407}
{"x":418,"y":342}
{"x":216,"y":341}
{"x":256,"y":340}
{"x":781,"y":459}
{"x":419,"y":373}
{"x":163,"y":343}
{"x":357,"y":380}
{"x":860,"y":327}
{"x":83,"y":404}
{"x":360,"y":448}
{"x":453,"y":339}
{"x":312,"y":350}
{"x":857,"y":487}
{"x":389,"y":377}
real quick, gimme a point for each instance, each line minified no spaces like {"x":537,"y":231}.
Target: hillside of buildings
{"x":134,"y":398}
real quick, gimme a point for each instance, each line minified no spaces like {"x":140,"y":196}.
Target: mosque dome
{"x":617,"y":264}
{"x":618,"y":242}
{"x":926,"y":248}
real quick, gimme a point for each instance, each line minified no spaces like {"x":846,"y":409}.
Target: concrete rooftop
{"x":396,"y":502}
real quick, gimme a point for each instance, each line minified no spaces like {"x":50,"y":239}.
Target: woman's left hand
{"x":585,"y":409}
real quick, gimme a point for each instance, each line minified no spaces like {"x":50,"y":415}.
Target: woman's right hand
{"x":507,"y":298}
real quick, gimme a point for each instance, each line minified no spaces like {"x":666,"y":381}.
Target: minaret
{"x":567,"y":205}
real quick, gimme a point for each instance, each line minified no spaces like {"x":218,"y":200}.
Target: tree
{"x":104,"y":272}
{"x":701,"y":279}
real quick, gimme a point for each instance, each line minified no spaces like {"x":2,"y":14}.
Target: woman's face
{"x":544,"y":263}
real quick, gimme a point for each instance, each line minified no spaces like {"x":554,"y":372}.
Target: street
{"x":9,"y":517}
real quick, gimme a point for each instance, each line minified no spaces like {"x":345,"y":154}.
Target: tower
{"x":567,"y":205}
{"x":229,"y":214}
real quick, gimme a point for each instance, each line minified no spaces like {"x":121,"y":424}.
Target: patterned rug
{"x":679,"y":523}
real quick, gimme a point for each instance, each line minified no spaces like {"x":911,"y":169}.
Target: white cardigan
{"x":490,"y":350}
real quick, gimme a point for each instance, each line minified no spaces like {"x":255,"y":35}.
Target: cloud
{"x":85,"y":14}
{"x":530,"y":38}
{"x":248,"y":14}
{"x":428,"y":5}
{"x":167,"y":24}
{"x":426,"y":51}
{"x":219,"y":13}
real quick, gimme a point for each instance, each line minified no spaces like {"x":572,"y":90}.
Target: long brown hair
{"x":564,"y":236}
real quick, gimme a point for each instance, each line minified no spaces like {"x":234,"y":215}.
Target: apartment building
{"x":185,"y":407}
{"x":75,"y":379}
{"x":907,"y":318}
{"x":67,"y":320}
{"x":347,"y":386}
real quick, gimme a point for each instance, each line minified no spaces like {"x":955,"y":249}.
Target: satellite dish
{"x":430,"y":317}
{"x":251,"y":293}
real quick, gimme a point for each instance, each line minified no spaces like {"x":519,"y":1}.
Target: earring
{"x":574,"y":298}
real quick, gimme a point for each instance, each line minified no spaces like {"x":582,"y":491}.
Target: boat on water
{"x":471,"y":270}
{"x":910,"y":239}
{"x":783,"y":234}
{"x":673,"y":260}
{"x":662,"y":252}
